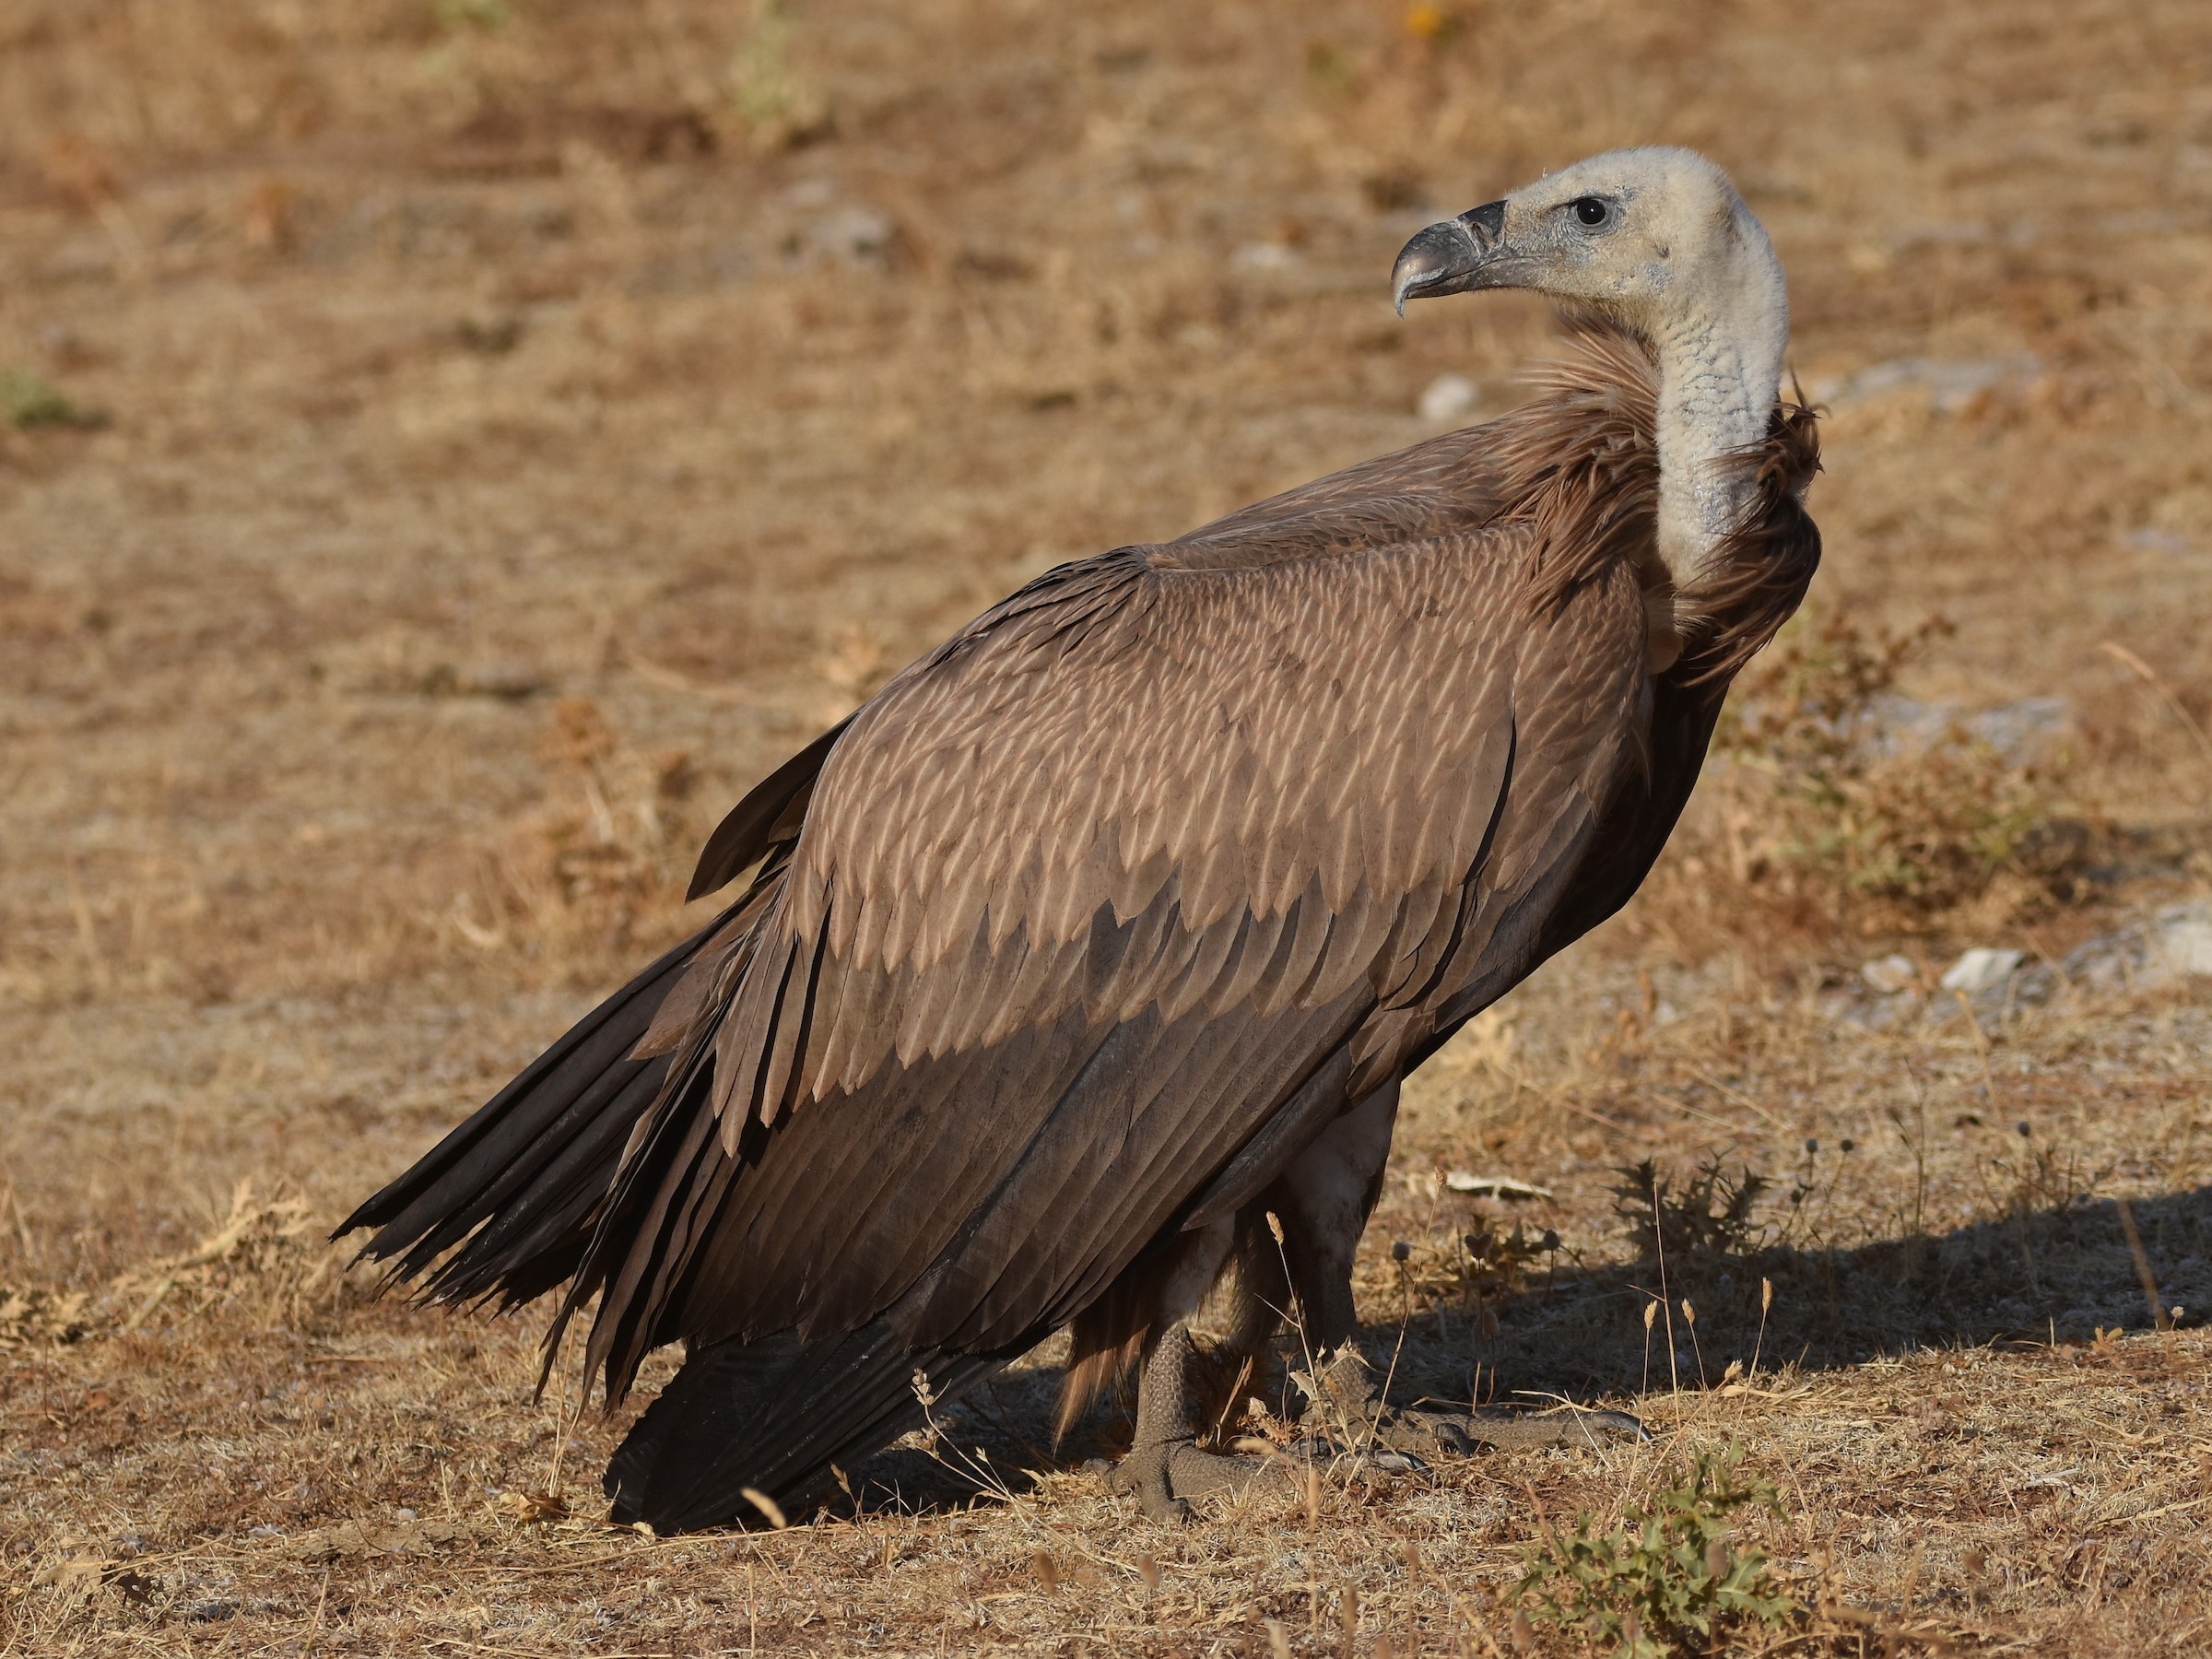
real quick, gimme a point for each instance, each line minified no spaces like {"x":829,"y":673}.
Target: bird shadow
{"x":2058,"y":1274}
{"x":2042,"y":1275}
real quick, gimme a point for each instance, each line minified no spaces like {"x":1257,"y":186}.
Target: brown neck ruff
{"x":1581,"y":465}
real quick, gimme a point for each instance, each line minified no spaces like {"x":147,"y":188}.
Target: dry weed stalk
{"x":2151,"y":678}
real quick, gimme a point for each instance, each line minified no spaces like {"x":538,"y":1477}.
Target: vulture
{"x":1079,"y":969}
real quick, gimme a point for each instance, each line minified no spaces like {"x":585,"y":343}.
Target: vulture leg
{"x":1324,"y":1200}
{"x":1165,"y":1468}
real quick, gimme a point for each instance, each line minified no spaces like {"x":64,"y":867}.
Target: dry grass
{"x":447,"y":449}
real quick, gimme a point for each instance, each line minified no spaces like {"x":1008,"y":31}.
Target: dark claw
{"x":1162,"y":1478}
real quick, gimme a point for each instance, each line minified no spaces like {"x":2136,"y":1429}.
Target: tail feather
{"x":778,"y":1416}
{"x":517,"y":1186}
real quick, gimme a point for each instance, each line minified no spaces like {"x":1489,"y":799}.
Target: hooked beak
{"x":1451,"y":257}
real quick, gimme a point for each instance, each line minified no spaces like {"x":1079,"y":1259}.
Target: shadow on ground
{"x":2056,"y":1275}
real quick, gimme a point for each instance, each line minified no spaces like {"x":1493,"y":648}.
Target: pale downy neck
{"x":1720,"y":373}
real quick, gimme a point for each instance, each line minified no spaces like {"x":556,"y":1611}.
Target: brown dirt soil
{"x":449,"y":447}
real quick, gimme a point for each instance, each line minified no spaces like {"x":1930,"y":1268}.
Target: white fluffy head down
{"x":1660,"y":239}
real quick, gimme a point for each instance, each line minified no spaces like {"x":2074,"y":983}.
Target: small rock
{"x":1948,"y":384}
{"x":2185,"y":941}
{"x":2019,"y":730}
{"x":2173,"y":943}
{"x":1981,"y":969}
{"x":2156,"y":541}
{"x":1266,"y":256}
{"x":1447,"y":397}
{"x":861,"y":236}
{"x":1888,"y":975}
{"x":492,"y":335}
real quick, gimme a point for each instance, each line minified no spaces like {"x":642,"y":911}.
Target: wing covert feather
{"x":1171,"y":764}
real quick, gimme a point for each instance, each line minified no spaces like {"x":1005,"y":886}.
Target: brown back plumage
{"x":1091,"y":919}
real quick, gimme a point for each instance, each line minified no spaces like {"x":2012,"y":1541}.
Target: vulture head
{"x":1654,"y":237}
{"x":1659,"y":240}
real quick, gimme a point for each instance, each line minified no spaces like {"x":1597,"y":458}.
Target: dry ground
{"x":453,"y":446}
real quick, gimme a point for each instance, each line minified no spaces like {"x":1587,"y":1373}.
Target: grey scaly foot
{"x":1346,"y":1405}
{"x":1165,"y":1468}
{"x":1163,"y":1476}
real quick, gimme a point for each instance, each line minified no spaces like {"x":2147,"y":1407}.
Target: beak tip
{"x":1437,"y":261}
{"x":1409,"y":278}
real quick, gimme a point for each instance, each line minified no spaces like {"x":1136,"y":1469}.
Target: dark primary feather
{"x":520,"y":1184}
{"x":770,"y":814}
{"x":1087,"y":924}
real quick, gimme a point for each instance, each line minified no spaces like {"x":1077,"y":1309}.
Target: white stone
{"x":2152,"y":951}
{"x":1447,"y":397}
{"x":1266,"y":256}
{"x":2185,"y":942}
{"x":1890,"y":974}
{"x":1981,"y":969}
{"x":1948,"y":384}
{"x":856,"y":235}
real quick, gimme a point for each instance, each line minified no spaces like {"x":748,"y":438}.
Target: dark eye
{"x":1590,"y":210}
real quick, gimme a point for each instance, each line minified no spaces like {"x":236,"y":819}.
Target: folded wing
{"x":1098,"y":914}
